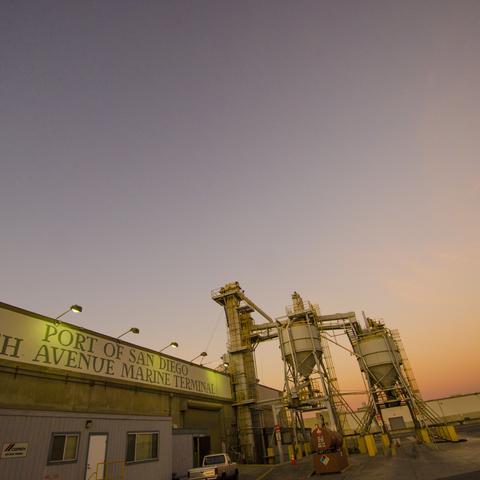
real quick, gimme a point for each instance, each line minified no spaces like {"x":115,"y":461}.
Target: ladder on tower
{"x":332,"y":381}
{"x":407,"y":368}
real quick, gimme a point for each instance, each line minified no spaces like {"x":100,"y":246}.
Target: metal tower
{"x":308,"y":383}
{"x":310,"y":380}
{"x":391,"y":383}
{"x":242,"y":370}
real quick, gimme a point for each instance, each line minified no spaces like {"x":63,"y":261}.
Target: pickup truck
{"x":215,"y":467}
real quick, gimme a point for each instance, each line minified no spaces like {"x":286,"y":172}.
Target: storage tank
{"x":299,"y":342}
{"x":379,"y":358}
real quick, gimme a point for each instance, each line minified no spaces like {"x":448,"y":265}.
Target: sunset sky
{"x":151,"y":151}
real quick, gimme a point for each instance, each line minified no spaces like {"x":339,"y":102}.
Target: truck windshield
{"x":214,"y":460}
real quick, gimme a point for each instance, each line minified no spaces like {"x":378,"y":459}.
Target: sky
{"x":151,"y":151}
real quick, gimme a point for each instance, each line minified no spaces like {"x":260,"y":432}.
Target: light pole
{"x":73,"y":308}
{"x":132,"y":330}
{"x":171,"y":344}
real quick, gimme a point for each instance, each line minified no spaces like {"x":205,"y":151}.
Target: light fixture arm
{"x":171,"y":344}
{"x":202,"y":354}
{"x":62,"y":314}
{"x":132,"y":329}
{"x":74,"y":308}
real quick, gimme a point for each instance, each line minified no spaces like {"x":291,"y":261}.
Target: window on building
{"x":64,"y":447}
{"x":142,"y":446}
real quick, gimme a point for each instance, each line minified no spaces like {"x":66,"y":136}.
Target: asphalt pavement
{"x":445,"y":461}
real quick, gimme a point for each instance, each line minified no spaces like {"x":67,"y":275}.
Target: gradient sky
{"x":152,"y":151}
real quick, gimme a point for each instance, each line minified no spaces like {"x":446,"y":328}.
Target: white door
{"x":97,"y":449}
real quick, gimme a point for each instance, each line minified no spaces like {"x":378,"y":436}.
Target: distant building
{"x":454,"y":409}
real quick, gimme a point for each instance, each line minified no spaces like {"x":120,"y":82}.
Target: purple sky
{"x":153,"y":151}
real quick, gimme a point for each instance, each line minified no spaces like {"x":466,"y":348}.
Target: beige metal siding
{"x":182,"y":454}
{"x":36,"y":428}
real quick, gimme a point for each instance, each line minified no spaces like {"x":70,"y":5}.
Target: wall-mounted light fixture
{"x":73,"y":308}
{"x":130,"y":330}
{"x":171,"y":344}
{"x":203,"y":355}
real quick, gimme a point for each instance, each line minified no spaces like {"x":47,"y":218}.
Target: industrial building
{"x":311,"y":384}
{"x":79,"y":404}
{"x":51,"y":444}
{"x":69,"y":393}
{"x":456,"y":409}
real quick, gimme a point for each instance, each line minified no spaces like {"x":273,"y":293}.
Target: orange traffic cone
{"x":292,"y":460}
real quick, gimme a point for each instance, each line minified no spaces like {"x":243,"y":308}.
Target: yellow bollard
{"x":370,"y":444}
{"x":270,"y":455}
{"x":423,"y":436}
{"x":452,"y":433}
{"x":291,"y":452}
{"x":385,"y":443}
{"x":394,"y":449}
{"x":361,"y":445}
{"x":298,"y":450}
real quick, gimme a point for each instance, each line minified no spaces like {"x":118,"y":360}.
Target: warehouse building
{"x":78,"y":404}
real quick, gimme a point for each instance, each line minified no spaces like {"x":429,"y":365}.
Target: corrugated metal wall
{"x":36,"y":428}
{"x":183,"y":457}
